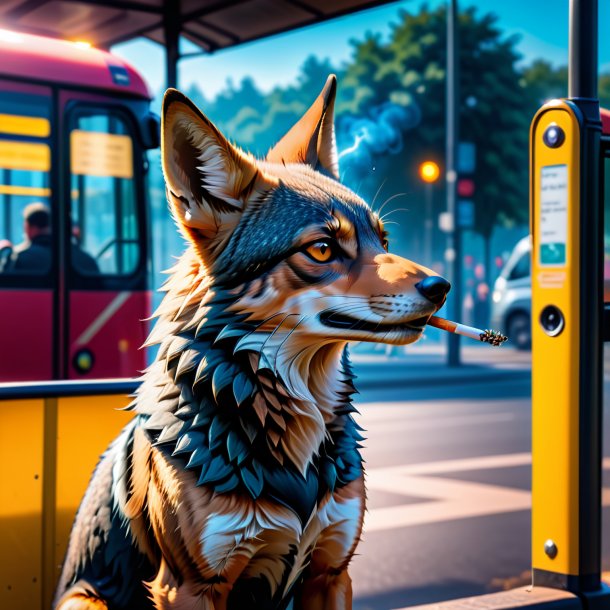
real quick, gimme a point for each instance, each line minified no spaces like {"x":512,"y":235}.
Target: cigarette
{"x":493,"y":337}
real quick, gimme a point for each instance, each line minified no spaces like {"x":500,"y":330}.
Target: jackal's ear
{"x":209,"y":181}
{"x":312,"y":139}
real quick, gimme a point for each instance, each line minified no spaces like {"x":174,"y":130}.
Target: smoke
{"x":380,"y":133}
{"x":354,"y":147}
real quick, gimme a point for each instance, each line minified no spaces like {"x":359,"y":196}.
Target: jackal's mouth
{"x":335,"y":319}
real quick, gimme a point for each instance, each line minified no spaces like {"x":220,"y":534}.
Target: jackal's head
{"x":301,"y":254}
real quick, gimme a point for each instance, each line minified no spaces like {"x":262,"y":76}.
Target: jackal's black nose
{"x":434,"y":288}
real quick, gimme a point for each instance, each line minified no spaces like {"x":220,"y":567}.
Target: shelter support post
{"x":171,"y":26}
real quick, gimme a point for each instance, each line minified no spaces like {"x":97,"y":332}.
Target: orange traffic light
{"x":429,"y":171}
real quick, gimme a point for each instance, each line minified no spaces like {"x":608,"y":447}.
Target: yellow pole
{"x":565,"y":332}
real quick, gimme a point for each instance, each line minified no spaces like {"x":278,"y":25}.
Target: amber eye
{"x":384,"y":240}
{"x":320,"y":251}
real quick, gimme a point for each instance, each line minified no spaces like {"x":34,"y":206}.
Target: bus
{"x":75,"y":125}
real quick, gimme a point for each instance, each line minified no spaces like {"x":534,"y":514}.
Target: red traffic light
{"x":465,"y":187}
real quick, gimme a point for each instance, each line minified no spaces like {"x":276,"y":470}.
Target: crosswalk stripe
{"x":447,"y":499}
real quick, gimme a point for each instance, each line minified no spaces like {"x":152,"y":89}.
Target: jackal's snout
{"x":395,"y":275}
{"x":434,"y":288}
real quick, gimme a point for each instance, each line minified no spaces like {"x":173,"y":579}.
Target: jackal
{"x":239,"y":483}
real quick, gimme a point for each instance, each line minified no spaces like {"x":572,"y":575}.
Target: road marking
{"x":448,"y":499}
{"x":373,"y":413}
{"x":442,"y":422}
{"x":486,"y":462}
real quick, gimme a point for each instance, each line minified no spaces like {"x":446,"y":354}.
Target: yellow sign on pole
{"x":94,"y":153}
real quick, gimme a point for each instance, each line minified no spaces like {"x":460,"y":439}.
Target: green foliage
{"x":543,"y":82}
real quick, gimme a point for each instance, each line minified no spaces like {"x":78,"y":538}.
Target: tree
{"x":544,"y":82}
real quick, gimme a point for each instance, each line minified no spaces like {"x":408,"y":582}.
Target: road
{"x":448,"y":478}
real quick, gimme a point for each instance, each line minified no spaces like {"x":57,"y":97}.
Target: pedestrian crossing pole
{"x":567,"y":314}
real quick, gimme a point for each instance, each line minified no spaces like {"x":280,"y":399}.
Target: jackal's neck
{"x":222,"y":387}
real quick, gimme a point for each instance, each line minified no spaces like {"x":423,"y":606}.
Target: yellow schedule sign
{"x":95,"y":153}
{"x":29,"y":156}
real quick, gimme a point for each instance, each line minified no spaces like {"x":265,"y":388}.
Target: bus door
{"x":104,"y":240}
{"x":28,"y":261}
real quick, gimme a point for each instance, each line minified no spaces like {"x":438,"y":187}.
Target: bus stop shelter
{"x":212,"y":25}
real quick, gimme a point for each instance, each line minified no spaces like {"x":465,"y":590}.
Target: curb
{"x":479,"y":375}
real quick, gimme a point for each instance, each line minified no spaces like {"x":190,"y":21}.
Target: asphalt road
{"x":448,"y":485}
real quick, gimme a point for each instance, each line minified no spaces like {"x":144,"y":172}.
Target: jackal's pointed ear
{"x":209,"y":181}
{"x":312,"y":139}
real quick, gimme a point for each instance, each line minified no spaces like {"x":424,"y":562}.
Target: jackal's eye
{"x":384,"y":241}
{"x":320,"y":251}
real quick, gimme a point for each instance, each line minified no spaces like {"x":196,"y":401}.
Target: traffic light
{"x":429,"y":171}
{"x":465,"y":187}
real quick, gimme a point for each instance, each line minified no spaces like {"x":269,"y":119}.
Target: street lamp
{"x":429,"y":172}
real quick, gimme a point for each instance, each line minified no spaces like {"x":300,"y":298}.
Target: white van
{"x":512,"y":297}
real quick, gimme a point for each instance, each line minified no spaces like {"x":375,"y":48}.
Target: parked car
{"x":511,"y":308}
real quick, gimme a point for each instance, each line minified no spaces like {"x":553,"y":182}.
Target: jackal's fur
{"x":239,"y":483}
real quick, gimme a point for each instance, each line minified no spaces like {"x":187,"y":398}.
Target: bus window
{"x":25,"y":194}
{"x":105,"y":233}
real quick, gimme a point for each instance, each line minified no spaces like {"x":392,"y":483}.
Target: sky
{"x":542,"y":26}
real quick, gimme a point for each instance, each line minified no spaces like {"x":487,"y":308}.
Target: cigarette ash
{"x":493,"y":337}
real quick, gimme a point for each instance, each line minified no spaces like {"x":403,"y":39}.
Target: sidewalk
{"x":427,"y":365}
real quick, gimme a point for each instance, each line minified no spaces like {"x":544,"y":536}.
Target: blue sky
{"x":542,"y":26}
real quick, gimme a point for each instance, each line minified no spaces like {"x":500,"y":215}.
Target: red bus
{"x":75,"y":125}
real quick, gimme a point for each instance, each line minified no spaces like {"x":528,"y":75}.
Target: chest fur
{"x":230,"y":537}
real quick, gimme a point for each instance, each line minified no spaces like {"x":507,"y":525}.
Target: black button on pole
{"x":554,"y":136}
{"x":552,"y":320}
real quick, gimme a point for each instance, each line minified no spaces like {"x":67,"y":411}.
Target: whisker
{"x":271,"y":334}
{"x":347,"y":309}
{"x":275,"y":315}
{"x":279,"y":349}
{"x":276,"y":329}
{"x":340,"y":296}
{"x":344,"y":309}
{"x":390,"y":199}
{"x":393,"y":212}
{"x":377,"y":194}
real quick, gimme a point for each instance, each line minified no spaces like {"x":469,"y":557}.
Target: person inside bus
{"x":34,"y":254}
